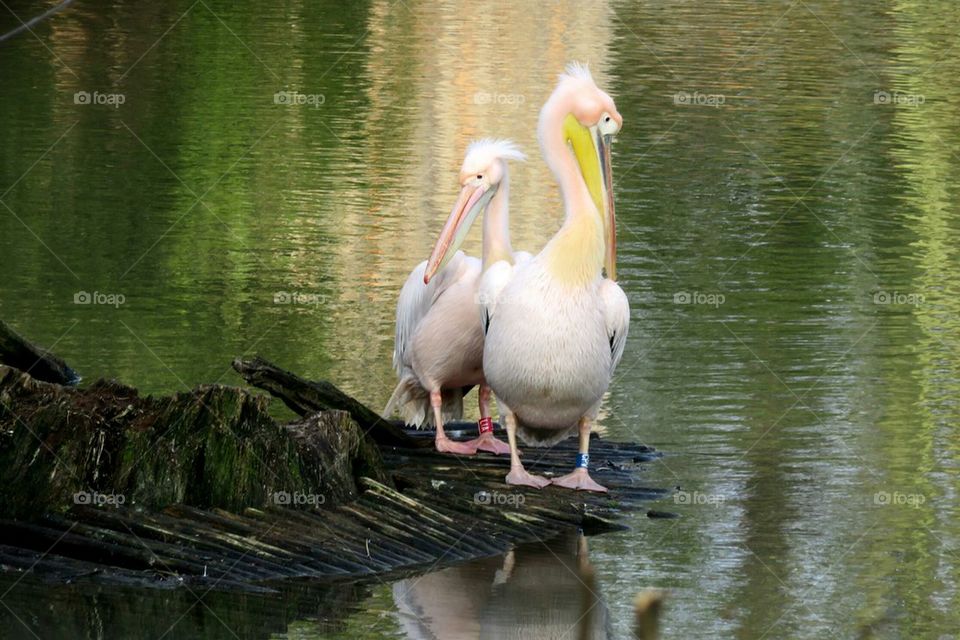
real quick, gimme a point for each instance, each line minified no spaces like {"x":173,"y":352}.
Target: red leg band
{"x":485,"y":425}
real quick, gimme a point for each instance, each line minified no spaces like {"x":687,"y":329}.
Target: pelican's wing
{"x":415,"y":301}
{"x":494,"y":279}
{"x":616,"y":312}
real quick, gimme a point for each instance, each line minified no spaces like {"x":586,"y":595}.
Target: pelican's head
{"x":484,"y":169}
{"x":591,"y":122}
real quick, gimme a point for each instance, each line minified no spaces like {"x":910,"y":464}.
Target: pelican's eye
{"x":608,"y":126}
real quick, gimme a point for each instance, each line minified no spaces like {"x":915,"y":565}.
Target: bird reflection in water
{"x":538,"y":590}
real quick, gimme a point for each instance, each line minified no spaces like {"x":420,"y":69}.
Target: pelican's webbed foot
{"x":446,"y":445}
{"x":487,"y":442}
{"x":579,"y":480}
{"x":522,"y":477}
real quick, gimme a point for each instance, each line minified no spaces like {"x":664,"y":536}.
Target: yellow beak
{"x":610,"y":221}
{"x":592,"y":150}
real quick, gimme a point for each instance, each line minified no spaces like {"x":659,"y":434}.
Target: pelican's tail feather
{"x":412,"y":402}
{"x":452,"y":406}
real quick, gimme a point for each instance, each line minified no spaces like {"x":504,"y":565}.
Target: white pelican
{"x":537,"y":590}
{"x":439,"y":341}
{"x":555,"y":327}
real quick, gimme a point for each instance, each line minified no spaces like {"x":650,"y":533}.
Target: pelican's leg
{"x":579,"y":478}
{"x":583,"y":553}
{"x":519,"y":475}
{"x":443,"y":443}
{"x":503,"y":574}
{"x":487,"y":441}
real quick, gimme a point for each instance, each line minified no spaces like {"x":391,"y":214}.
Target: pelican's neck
{"x":575,"y":254}
{"x":496,"y":225}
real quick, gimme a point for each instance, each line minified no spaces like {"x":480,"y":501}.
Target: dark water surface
{"x":786,"y":181}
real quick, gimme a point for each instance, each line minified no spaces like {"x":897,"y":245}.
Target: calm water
{"x":789,"y":169}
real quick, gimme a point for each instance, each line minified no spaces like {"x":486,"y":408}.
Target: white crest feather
{"x":577,"y":71}
{"x":484,"y":151}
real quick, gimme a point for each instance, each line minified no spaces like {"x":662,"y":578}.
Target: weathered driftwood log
{"x":306,"y":396}
{"x":215,"y":446}
{"x":207,"y":480}
{"x":16,"y":352}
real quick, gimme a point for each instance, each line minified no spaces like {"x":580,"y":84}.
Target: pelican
{"x":536,"y":590}
{"x":555,"y":328}
{"x":438,"y":353}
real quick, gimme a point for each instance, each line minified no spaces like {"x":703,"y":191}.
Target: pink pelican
{"x":438,"y":353}
{"x":555,"y":328}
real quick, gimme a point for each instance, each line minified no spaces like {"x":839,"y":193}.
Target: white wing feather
{"x":415,"y":301}
{"x":616,"y":311}
{"x":494,"y":279}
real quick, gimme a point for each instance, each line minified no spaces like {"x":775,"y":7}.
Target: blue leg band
{"x":583,"y":460}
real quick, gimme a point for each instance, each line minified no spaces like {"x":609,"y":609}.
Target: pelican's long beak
{"x":472,"y":200}
{"x":592,"y":150}
{"x":610,"y":219}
